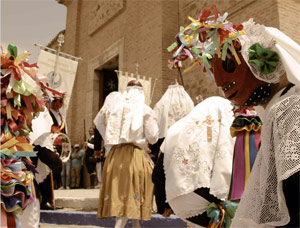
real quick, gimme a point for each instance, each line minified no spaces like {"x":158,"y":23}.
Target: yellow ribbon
{"x":219,"y":224}
{"x":10,"y":143}
{"x":234,"y":131}
{"x":195,"y":63}
{"x":9,"y":147}
{"x":20,"y":58}
{"x":247,"y":157}
{"x":8,"y":110}
{"x":218,"y":47}
{"x":235,"y":54}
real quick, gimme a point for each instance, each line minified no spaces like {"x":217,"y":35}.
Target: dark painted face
{"x":237,"y":81}
{"x":57,"y":103}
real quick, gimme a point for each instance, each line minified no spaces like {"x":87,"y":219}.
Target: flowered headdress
{"x":206,"y":36}
{"x":267,"y":51}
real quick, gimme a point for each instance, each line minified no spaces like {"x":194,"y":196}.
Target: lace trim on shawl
{"x":263,"y":200}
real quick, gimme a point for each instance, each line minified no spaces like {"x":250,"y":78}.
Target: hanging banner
{"x":65,"y":72}
{"x":124,"y":78}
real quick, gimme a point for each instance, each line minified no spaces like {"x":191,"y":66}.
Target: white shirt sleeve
{"x":150,"y":125}
{"x":90,"y":145}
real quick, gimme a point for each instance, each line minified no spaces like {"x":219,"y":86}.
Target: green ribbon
{"x":213,"y":212}
{"x":12,"y":49}
{"x":23,"y":88}
{"x":172,"y":46}
{"x":264,"y":58}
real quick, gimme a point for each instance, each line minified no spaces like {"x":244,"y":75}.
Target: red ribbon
{"x":205,"y":14}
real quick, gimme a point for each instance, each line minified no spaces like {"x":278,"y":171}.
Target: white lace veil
{"x":133,"y":110}
{"x":174,"y":105}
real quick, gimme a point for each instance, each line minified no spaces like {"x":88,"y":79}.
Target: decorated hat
{"x":268,"y":52}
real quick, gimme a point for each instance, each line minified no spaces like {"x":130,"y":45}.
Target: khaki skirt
{"x":127,"y":188}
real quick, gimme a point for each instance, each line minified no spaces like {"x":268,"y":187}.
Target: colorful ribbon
{"x":246,"y":129}
{"x":221,"y":214}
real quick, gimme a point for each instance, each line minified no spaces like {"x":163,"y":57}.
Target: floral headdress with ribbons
{"x":211,"y":34}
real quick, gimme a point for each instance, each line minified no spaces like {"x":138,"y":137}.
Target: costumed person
{"x":21,"y":102}
{"x":127,"y":126}
{"x":46,"y":159}
{"x":258,"y":65}
{"x":198,"y":166}
{"x":173,"y":105}
{"x":90,"y":160}
{"x":57,"y":112}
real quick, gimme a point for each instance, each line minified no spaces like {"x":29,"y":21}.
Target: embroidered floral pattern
{"x":191,"y":162}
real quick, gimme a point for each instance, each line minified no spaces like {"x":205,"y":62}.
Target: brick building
{"x":117,"y":34}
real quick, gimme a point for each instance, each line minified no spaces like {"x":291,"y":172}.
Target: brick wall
{"x":147,"y":28}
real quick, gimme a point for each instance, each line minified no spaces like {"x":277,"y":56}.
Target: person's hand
{"x":148,"y":151}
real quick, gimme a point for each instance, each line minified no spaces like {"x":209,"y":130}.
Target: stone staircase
{"x":80,"y":208}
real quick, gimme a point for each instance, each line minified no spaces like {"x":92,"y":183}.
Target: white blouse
{"x":125,"y":118}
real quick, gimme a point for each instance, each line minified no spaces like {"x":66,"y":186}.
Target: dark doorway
{"x":110,"y":82}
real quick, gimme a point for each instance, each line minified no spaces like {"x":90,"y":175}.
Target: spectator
{"x":76,"y":164}
{"x":65,"y":174}
{"x":99,"y":155}
{"x":90,"y":159}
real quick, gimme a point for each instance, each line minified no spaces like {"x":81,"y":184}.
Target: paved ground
{"x":44,"y":225}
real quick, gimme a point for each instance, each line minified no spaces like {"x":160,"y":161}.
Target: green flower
{"x":264,"y":58}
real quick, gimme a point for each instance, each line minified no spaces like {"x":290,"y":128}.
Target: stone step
{"x":89,"y":219}
{"x":80,"y":209}
{"x":79,"y":199}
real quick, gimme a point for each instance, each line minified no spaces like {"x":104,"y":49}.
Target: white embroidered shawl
{"x":174,"y":105}
{"x":198,"y":150}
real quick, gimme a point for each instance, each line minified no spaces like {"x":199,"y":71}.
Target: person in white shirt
{"x":127,"y":126}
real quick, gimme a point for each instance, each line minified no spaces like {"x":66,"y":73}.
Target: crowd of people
{"x":216,"y":163}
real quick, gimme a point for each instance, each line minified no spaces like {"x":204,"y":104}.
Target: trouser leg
{"x":136,"y":223}
{"x":77,"y":176}
{"x":73,"y":176}
{"x":121,"y":222}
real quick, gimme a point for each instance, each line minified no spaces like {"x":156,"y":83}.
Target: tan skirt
{"x":127,"y":188}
